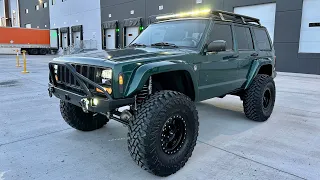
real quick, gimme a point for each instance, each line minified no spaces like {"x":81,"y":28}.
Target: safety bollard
{"x":17,"y":59}
{"x":24,"y":62}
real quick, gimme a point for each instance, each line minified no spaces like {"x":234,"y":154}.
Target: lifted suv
{"x":172,"y":64}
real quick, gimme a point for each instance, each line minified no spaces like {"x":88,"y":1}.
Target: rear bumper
{"x":88,"y":101}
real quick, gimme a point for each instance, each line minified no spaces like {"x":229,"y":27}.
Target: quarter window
{"x":222,"y":32}
{"x":244,"y":38}
{"x":262,"y":39}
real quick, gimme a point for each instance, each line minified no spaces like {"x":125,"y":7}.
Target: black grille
{"x":65,"y":77}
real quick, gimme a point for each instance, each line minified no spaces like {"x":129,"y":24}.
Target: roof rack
{"x":217,"y":14}
{"x":228,"y":16}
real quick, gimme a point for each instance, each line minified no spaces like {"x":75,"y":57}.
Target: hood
{"x":126,"y":54}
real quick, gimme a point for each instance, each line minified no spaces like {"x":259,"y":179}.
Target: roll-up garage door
{"x":132,"y":29}
{"x":131,"y":34}
{"x":310,"y":27}
{"x":110,"y":34}
{"x":265,"y":12}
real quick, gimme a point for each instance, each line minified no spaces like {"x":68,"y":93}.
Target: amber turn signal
{"x":109,"y":90}
{"x":120,"y":79}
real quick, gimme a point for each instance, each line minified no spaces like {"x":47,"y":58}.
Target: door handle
{"x":230,"y":57}
{"x":254,"y":54}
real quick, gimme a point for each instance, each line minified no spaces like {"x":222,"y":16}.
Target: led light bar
{"x":186,"y":14}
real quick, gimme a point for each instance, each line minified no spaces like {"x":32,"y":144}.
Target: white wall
{"x":265,"y":12}
{"x":2,"y":14}
{"x":310,"y":36}
{"x":78,"y":12}
{"x":13,"y":7}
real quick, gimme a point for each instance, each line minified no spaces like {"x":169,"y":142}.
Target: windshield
{"x":181,"y":33}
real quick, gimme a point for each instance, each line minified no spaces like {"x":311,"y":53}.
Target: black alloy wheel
{"x":173,"y":134}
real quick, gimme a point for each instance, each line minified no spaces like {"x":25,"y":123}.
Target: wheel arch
{"x":259,"y":66}
{"x":163,"y":69}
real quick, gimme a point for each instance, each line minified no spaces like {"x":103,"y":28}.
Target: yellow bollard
{"x":24,"y":62}
{"x":17,"y":58}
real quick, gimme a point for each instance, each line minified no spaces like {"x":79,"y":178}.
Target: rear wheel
{"x":259,"y":98}
{"x":33,"y":51}
{"x":43,"y":51}
{"x":80,"y":120}
{"x":163,"y":132}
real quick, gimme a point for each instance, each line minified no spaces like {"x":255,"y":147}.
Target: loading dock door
{"x":110,"y":38}
{"x":76,"y":39}
{"x":54,"y":40}
{"x":131,"y":34}
{"x":310,"y":27}
{"x":265,"y":12}
{"x":64,"y":40}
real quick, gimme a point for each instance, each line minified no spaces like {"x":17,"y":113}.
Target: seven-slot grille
{"x":65,"y":77}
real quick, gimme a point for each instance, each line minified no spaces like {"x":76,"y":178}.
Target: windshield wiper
{"x":137,"y":45}
{"x":164,"y":44}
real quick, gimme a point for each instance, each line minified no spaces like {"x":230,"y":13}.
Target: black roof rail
{"x":232,"y":17}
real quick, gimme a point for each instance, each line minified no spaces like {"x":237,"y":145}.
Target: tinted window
{"x":184,"y":33}
{"x":222,"y":32}
{"x":262,"y":39}
{"x":244,"y":38}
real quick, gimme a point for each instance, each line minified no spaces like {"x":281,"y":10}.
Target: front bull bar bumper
{"x":87,"y":101}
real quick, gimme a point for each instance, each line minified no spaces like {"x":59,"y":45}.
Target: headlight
{"x":55,"y":67}
{"x":106,"y":74}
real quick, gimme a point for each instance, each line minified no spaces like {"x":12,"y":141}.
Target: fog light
{"x":95,"y":102}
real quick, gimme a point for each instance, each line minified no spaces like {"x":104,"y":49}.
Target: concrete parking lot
{"x":35,"y":142}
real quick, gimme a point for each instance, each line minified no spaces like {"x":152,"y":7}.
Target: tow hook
{"x":51,"y":90}
{"x":85,"y":105}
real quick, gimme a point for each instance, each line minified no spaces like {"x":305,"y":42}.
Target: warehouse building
{"x":294,"y":25}
{"x":34,"y":14}
{"x":78,"y":21}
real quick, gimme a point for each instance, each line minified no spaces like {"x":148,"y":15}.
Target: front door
{"x":218,"y":73}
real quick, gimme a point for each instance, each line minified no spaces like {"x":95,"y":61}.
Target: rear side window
{"x":222,"y":32}
{"x":244,"y":38}
{"x":262,"y":39}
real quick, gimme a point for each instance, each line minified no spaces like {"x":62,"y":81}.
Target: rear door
{"x":218,"y":71}
{"x":246,"y":50}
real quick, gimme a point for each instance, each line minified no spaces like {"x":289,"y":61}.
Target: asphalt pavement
{"x":35,"y":142}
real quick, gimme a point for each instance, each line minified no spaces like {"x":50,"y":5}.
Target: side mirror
{"x":217,"y":46}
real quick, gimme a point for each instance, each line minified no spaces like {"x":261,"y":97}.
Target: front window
{"x":181,"y":33}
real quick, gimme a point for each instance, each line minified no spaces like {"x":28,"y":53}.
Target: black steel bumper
{"x":86,"y":100}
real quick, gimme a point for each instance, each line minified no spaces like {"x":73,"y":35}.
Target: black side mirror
{"x":217,"y":46}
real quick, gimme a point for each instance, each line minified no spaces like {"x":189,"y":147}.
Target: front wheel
{"x":163,"y":132}
{"x":76,"y":118}
{"x":259,"y":98}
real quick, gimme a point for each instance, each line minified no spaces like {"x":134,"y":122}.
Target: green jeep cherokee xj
{"x":175,"y":62}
